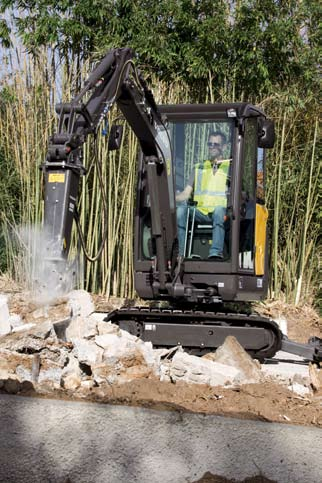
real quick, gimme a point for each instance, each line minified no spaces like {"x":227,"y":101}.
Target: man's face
{"x":215,"y":147}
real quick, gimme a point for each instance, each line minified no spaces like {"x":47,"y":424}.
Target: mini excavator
{"x":189,"y":289}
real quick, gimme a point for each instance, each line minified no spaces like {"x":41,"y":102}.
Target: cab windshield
{"x":202,"y":156}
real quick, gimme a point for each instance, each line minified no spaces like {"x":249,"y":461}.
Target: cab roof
{"x":182,"y":112}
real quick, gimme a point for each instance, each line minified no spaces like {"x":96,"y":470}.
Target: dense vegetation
{"x":191,"y":51}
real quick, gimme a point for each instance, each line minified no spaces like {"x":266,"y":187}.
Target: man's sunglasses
{"x":213,"y":145}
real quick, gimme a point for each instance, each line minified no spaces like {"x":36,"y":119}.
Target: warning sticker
{"x":56,"y":178}
{"x":71,"y":207}
{"x":168,"y":167}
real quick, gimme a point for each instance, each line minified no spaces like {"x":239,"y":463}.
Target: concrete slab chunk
{"x":22,"y":342}
{"x":124,"y":368}
{"x":193,"y":369}
{"x":231,"y":353}
{"x":43,"y":330}
{"x":23,"y":327}
{"x":106,"y":327}
{"x":81,"y":303}
{"x":299,"y":389}
{"x":103,"y":327}
{"x":287,"y":371}
{"x":50,"y":372}
{"x":5,"y":326}
{"x":15,"y":321}
{"x":81,"y":327}
{"x":282,"y":323}
{"x":87,"y":351}
{"x":71,"y":377}
{"x":15,"y":364}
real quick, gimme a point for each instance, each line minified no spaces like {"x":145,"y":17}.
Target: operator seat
{"x":199,"y":236}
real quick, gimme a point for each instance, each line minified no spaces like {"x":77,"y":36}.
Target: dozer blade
{"x":311,"y":351}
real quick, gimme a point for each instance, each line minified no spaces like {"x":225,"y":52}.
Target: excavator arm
{"x":114,"y":80}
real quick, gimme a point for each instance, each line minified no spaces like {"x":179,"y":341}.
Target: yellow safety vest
{"x":210,"y":189}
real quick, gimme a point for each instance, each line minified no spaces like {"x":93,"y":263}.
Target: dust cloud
{"x":41,"y":267}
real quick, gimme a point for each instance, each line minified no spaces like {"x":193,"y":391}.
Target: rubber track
{"x":139,"y":315}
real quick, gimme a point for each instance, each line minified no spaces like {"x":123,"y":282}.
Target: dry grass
{"x":303,"y":321}
{"x":8,"y":285}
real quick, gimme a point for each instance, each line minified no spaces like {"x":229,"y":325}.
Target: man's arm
{"x":185,"y":194}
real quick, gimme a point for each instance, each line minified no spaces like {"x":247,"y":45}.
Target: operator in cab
{"x":207,"y":189}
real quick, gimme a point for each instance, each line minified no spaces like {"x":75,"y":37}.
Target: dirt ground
{"x":262,"y":402}
{"x":267,"y":401}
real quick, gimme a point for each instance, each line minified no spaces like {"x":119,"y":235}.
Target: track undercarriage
{"x":199,"y":332}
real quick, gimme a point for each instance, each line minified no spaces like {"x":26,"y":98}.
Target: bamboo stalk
{"x":305,"y":227}
{"x":277,"y":209}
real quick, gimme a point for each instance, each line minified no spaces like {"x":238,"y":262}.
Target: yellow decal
{"x":56,"y":178}
{"x":260,"y":238}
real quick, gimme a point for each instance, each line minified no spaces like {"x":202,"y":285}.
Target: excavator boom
{"x":114,"y":80}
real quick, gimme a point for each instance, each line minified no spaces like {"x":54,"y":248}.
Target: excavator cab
{"x":230,"y":218}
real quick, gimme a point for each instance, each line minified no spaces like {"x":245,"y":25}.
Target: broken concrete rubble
{"x":55,"y":313}
{"x":23,"y":343}
{"x":68,"y":346}
{"x":121,"y":369}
